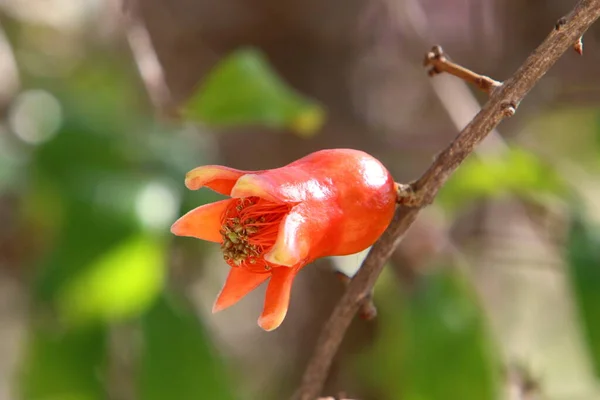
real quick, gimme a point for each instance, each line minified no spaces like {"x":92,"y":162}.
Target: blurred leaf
{"x":178,"y":362}
{"x":88,"y":182}
{"x":120,"y":284}
{"x":244,"y":90}
{"x":516,"y":172}
{"x":64,"y":365}
{"x":434,"y":343}
{"x":82,"y":241}
{"x":447,"y":341}
{"x":583,"y":251}
{"x":597,"y":126}
{"x":13,"y":159}
{"x":569,"y":131}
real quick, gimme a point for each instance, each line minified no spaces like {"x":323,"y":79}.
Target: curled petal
{"x":277,"y":298}
{"x":301,"y":236}
{"x":203,"y":222}
{"x":256,"y":185}
{"x":216,"y":177}
{"x":283,"y":185}
{"x":239,"y":283}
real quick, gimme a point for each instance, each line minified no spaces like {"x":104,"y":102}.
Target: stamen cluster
{"x":236,"y":247}
{"x":249,"y":229}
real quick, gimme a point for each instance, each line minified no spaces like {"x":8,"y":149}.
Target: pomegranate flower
{"x":331,"y":202}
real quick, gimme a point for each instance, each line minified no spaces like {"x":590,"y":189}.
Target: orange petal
{"x":239,"y":283}
{"x":283,"y":185}
{"x":219,"y":178}
{"x":203,"y":222}
{"x":299,"y":234}
{"x":277,"y":298}
{"x":256,"y":185}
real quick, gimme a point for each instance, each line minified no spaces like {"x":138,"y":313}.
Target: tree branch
{"x":503,"y":102}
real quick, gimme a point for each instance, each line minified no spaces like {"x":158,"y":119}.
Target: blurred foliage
{"x":516,"y":172}
{"x":177,"y":361}
{"x":100,"y":192}
{"x":583,"y":254}
{"x":434,"y":342}
{"x":570,"y":132}
{"x":122,"y":283}
{"x":64,"y":365}
{"x":243,"y":89}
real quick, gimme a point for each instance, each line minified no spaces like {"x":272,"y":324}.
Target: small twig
{"x":149,"y":67}
{"x":503,"y":100}
{"x":439,"y":62}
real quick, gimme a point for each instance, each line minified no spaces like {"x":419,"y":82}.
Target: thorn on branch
{"x":438,"y":62}
{"x":578,"y":46}
{"x":368,"y":311}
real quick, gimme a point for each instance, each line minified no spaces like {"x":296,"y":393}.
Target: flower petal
{"x":256,"y":185}
{"x":217,"y":177}
{"x":284,"y":185}
{"x":203,"y":222}
{"x":277,"y":298}
{"x":301,"y":235}
{"x":239,"y":283}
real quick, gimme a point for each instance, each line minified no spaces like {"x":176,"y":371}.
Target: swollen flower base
{"x":331,"y":202}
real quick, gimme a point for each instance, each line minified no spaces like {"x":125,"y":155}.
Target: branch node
{"x":578,"y":45}
{"x":408,"y":196}
{"x":560,"y":23}
{"x":509,"y":108}
{"x":368,"y":311}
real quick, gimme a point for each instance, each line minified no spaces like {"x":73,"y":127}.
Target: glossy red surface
{"x":340,"y":200}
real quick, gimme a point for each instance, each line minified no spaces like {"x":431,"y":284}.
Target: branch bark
{"x":502,"y":103}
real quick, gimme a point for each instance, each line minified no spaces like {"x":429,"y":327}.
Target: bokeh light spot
{"x":35,"y":116}
{"x":156,"y":205}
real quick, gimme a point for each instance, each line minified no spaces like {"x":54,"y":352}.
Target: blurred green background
{"x":494,"y":294}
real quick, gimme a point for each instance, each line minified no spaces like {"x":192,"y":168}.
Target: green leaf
{"x":434,"y":342}
{"x":244,"y":90}
{"x":583,"y":254}
{"x":178,"y":362}
{"x":122,"y":283}
{"x":64,"y":365}
{"x":515,"y":172}
{"x":447,"y":341}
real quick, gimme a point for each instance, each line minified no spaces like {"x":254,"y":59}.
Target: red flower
{"x":331,"y":202}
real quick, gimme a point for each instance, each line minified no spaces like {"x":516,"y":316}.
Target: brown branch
{"x":578,"y":45}
{"x":502,"y":102}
